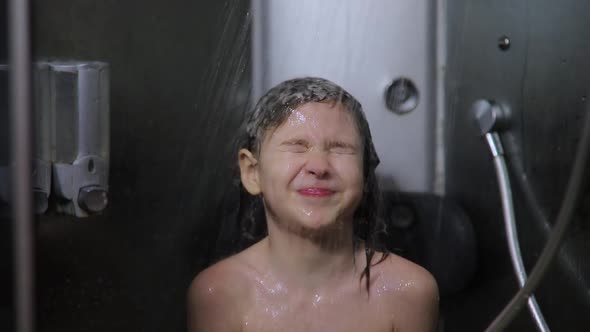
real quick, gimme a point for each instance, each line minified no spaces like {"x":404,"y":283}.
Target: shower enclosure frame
{"x":19,"y":47}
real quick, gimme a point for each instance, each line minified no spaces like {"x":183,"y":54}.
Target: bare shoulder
{"x":415,"y":279}
{"x":217,"y":295}
{"x":218,"y":281}
{"x":411,"y":290}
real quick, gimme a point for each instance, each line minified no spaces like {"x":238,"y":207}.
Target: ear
{"x":249,"y":171}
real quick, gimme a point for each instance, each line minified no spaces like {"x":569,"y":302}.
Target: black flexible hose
{"x":564,"y":217}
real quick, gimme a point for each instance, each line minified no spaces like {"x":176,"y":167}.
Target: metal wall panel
{"x":362,"y":46}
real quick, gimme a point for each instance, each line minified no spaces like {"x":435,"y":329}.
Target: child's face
{"x":310,"y":168}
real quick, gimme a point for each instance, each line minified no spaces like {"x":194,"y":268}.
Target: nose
{"x":318,"y":164}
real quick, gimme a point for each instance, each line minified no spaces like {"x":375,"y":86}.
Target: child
{"x":308,"y":155}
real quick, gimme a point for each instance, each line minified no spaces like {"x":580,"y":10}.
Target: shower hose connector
{"x":490,"y":118}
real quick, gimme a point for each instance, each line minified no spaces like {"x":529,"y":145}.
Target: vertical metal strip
{"x":259,"y":65}
{"x":20,"y":112}
{"x":438,"y":88}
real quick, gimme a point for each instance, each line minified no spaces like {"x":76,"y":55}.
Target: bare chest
{"x":337,"y":312}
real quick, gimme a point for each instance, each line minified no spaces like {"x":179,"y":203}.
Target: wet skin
{"x":309,"y":170}
{"x":306,"y":275}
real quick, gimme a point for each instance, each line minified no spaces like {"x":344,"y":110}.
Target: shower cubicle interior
{"x":182,"y":76}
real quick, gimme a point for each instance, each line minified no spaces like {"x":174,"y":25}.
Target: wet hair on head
{"x":271,"y":111}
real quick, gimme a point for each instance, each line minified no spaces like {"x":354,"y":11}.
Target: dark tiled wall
{"x":179,"y":84}
{"x":544,"y":77}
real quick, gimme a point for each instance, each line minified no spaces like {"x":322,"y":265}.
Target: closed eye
{"x":297,"y":146}
{"x":342,"y":148}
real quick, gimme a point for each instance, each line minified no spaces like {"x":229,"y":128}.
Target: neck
{"x":311,"y":260}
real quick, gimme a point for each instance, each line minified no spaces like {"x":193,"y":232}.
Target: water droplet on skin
{"x":300,"y":116}
{"x":278,"y":288}
{"x":400,"y":286}
{"x":296,"y":118}
{"x":381,"y":290}
{"x":316,"y":300}
{"x":404,"y":285}
{"x":274,"y":312}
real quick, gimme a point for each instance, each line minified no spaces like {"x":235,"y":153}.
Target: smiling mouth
{"x":315,"y":192}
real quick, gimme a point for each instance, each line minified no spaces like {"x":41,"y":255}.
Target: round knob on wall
{"x":93,"y":199}
{"x":401,"y":96}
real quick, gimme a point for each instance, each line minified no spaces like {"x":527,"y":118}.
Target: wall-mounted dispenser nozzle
{"x":79,"y":102}
{"x":71,"y":131}
{"x":42,"y":127}
{"x":41,"y":162}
